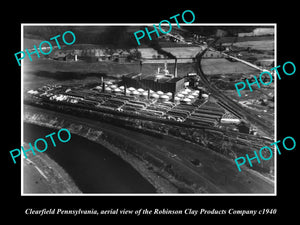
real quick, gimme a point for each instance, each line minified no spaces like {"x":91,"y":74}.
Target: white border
{"x":149,"y":24}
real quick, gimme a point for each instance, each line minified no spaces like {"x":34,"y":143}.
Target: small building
{"x":115,"y":56}
{"x":243,"y":128}
{"x":59,"y":55}
{"x":229,"y":118}
{"x":70,"y":57}
{"x":122,"y":59}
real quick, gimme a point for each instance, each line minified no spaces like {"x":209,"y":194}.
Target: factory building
{"x":166,"y":84}
{"x":162,"y":80}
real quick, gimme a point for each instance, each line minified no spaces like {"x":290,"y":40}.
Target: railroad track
{"x":230,"y":105}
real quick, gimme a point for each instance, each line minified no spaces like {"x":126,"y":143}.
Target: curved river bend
{"x":93,"y":168}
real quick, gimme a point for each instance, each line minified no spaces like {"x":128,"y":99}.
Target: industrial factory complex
{"x":162,"y":95}
{"x":167,"y":110}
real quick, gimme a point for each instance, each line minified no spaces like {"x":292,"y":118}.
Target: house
{"x":115,"y":56}
{"x":59,"y":55}
{"x":70,"y":57}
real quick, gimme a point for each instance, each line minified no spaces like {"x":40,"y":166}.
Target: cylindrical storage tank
{"x":107,"y":89}
{"x":122,"y":88}
{"x":140,"y":90}
{"x":131,"y":89}
{"x":128,"y":92}
{"x":184,"y":92}
{"x":118,"y":90}
{"x":191,"y":97}
{"x":180,"y":95}
{"x":154,"y":95}
{"x":169,"y":94}
{"x":186,"y":100}
{"x":164,"y":98}
{"x":135,"y":92}
{"x":113,"y":86}
{"x":144,"y":94}
{"x":194,"y":93}
{"x":204,"y":95}
{"x":176,"y":99}
{"x":159,"y":92}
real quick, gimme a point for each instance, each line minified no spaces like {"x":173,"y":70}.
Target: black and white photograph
{"x":150,"y":111}
{"x":159,"y":116}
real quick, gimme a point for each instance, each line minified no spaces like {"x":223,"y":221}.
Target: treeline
{"x":111,"y":36}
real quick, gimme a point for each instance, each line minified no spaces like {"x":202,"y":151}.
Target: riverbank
{"x":148,"y":171}
{"x":42,"y":175}
{"x":170,"y":164}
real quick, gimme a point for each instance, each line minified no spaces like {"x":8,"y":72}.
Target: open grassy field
{"x":183,"y":52}
{"x":245,"y":39}
{"x":179,"y":52}
{"x":49,"y":65}
{"x":223,"y":66}
{"x":101,"y":68}
{"x":264,"y":45}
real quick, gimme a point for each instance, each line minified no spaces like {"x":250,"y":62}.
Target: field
{"x":265,"y":45}
{"x":223,"y":66}
{"x":184,"y":52}
{"x":41,"y":71}
{"x":179,"y":52}
{"x":245,"y":39}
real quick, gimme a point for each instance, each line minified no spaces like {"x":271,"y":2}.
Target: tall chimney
{"x":175,"y":68}
{"x":103,"y":86}
{"x":141,"y":65}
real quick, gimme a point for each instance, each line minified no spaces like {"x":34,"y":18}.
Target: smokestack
{"x":103,"y":86}
{"x":175,"y":68}
{"x":173,"y":96}
{"x":141,"y":65}
{"x":148,"y":93}
{"x":125,"y":87}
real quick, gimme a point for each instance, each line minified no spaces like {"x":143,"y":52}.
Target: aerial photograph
{"x":162,"y":116}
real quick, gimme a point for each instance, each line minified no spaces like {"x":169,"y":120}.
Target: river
{"x":93,"y":168}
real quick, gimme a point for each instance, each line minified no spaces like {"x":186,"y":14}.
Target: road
{"x":215,"y":173}
{"x":240,"y":60}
